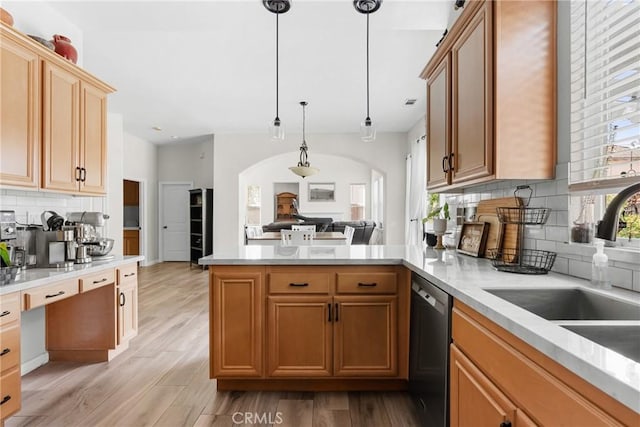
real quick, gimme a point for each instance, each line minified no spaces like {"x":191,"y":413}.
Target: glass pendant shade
{"x":276,"y":130}
{"x":367,"y":130}
{"x":304,"y":171}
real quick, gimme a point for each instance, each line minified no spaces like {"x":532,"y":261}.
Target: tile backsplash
{"x":29,"y":205}
{"x":572,"y":259}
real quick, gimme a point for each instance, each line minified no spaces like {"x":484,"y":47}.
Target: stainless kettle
{"x":53,"y":223}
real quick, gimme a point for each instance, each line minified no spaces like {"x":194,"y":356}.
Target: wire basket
{"x":526,"y":216}
{"x":523,"y":261}
{"x":8,"y":275}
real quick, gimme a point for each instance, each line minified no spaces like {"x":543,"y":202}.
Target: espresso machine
{"x":90,"y":244}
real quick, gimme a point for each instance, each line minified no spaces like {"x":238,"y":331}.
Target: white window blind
{"x":605,"y":94}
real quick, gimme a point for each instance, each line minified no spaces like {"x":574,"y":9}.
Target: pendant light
{"x":276,"y":129}
{"x":367,"y":129}
{"x":304,"y":168}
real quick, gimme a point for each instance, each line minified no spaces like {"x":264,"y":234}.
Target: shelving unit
{"x":200,"y":223}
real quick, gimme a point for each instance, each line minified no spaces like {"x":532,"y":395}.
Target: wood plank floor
{"x":163,"y":379}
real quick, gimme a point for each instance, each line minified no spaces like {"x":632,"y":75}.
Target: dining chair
{"x":296,"y":237}
{"x":348,"y":232}
{"x":305,"y":227}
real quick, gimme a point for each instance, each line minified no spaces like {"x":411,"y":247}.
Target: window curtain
{"x":416,"y":166}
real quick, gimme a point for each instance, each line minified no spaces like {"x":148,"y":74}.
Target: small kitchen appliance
{"x":90,"y":244}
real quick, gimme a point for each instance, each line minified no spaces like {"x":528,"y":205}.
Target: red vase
{"x":64,"y":48}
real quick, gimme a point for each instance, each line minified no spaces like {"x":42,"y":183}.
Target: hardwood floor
{"x":163,"y":379}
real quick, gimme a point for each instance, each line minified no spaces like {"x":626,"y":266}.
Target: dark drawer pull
{"x":5,"y":399}
{"x":337,"y":314}
{"x":130,"y":274}
{"x":99,"y":281}
{"x":5,"y":351}
{"x":329,"y":309}
{"x":5,"y":313}
{"x":298,"y":284}
{"x":55,"y":295}
{"x":368,"y":285}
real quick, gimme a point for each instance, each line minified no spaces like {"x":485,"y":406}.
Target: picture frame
{"x":473,"y":238}
{"x":322,"y":192}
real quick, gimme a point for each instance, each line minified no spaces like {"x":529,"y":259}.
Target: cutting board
{"x":499,"y":235}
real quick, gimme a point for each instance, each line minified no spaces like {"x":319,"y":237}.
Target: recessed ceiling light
{"x":410,"y":101}
{"x":157,"y":128}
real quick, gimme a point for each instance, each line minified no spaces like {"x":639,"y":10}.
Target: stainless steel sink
{"x":623,"y":339}
{"x":569,"y":304}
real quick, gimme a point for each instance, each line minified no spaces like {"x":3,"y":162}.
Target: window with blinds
{"x":605,"y":94}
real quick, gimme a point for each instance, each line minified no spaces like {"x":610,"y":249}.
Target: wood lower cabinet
{"x":321,"y":323}
{"x":236,"y":322}
{"x":127,"y":303}
{"x":496,"y":377}
{"x":20,"y":118}
{"x":9,"y":355}
{"x":131,"y":242}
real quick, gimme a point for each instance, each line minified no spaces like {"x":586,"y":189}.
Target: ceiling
{"x":194,"y":68}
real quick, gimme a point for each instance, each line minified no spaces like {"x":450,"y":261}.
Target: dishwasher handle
{"x":428,"y":298}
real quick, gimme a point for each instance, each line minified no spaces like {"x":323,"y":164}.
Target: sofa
{"x":361,"y":235}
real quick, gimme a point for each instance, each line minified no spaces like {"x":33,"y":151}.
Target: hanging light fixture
{"x":367,"y":129}
{"x":276,"y":129}
{"x":304,"y":168}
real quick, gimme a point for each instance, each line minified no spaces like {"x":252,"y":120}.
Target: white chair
{"x":305,"y":227}
{"x":348,"y":232}
{"x":252,"y":231}
{"x":296,"y":237}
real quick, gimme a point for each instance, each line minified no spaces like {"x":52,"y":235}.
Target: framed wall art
{"x":473,"y":238}
{"x":322,"y":192}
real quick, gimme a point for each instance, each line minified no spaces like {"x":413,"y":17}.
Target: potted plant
{"x":7,"y":272}
{"x":439,"y":215}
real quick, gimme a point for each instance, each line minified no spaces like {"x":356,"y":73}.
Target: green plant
{"x":437,"y":211}
{"x":4,"y":255}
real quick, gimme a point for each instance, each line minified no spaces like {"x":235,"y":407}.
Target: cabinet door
{"x":365,"y":336}
{"x":472,"y":101}
{"x":20,"y":118}
{"x":61,"y":129}
{"x":236,"y":323}
{"x":475,"y":401}
{"x":131,"y":242}
{"x":438,"y":124}
{"x":299,"y":340}
{"x":127,"y":311}
{"x":93,"y":147}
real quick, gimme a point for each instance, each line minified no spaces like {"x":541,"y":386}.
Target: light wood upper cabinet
{"x":20,"y":118}
{"x":53,"y":133}
{"x":491,"y":91}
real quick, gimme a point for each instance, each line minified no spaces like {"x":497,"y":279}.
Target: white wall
{"x":235,"y":153}
{"x":140,"y":163}
{"x":113,"y":205}
{"x":338,"y":170}
{"x":187,"y":161}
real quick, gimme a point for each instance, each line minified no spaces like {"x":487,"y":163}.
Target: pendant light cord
{"x":368,"y":65}
{"x":277,"y":67}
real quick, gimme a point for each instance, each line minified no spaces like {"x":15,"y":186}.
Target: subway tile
{"x":562,"y":218}
{"x":555,"y":233}
{"x":7,"y":201}
{"x":562,"y":171}
{"x":621,"y":277}
{"x":546,"y":245}
{"x":636,"y":281}
{"x":627,"y":265}
{"x":562,"y":186}
{"x":533,"y":232}
{"x":545,"y":189}
{"x":560,"y":203}
{"x":561,"y":265}
{"x":580,"y":269}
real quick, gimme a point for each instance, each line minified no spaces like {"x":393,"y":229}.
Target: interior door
{"x":175,"y":222}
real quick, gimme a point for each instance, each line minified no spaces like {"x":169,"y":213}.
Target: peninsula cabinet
{"x":53,"y":122}
{"x":498,"y":379}
{"x":9,"y":354}
{"x":325,"y":327}
{"x":491,"y":96}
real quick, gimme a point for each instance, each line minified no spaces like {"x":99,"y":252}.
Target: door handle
{"x":78,"y":173}
{"x":444,"y":164}
{"x":329,"y":309}
{"x":83,"y":174}
{"x":451,"y":161}
{"x":165,"y":227}
{"x":54,"y":295}
{"x":123,"y":299}
{"x":5,"y":351}
{"x":337,"y":314}
{"x":5,"y":313}
{"x":370,"y":285}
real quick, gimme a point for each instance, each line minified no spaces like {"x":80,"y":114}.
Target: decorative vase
{"x":6,"y":17}
{"x":64,"y":48}
{"x":439,"y":228}
{"x":431,"y":239}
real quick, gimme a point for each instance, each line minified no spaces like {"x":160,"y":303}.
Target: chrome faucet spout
{"x":608,"y":227}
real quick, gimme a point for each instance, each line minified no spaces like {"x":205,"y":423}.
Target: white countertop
{"x":34,"y":277}
{"x":464,"y":278}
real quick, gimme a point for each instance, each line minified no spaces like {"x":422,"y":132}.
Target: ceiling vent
{"x":410,"y":101}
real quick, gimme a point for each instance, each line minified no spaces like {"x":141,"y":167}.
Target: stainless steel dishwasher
{"x":430,"y":336}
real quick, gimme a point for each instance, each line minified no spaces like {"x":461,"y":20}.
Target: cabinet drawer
{"x":96,"y":280}
{"x":128,"y":273}
{"x":369,"y":283}
{"x":9,"y":347}
{"x":9,"y":308}
{"x":9,"y":393}
{"x":47,"y":294}
{"x":299,"y":282}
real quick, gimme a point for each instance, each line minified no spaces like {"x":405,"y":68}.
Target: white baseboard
{"x":34,"y":363}
{"x":149,"y":263}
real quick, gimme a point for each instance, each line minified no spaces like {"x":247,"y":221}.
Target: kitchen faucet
{"x":608,"y":227}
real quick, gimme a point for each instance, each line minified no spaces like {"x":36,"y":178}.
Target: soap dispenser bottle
{"x":600,"y":267}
